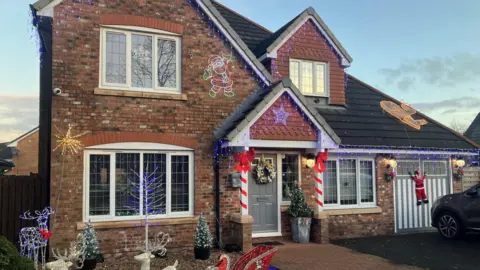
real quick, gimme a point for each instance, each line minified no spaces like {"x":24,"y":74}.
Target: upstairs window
{"x":310,"y":77}
{"x":140,"y":61}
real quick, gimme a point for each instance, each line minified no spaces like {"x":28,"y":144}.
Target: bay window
{"x":115,"y":184}
{"x":349,"y":183}
{"x":311,"y":78}
{"x":140,"y":61}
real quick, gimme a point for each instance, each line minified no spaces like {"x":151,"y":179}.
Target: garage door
{"x":408,"y":216}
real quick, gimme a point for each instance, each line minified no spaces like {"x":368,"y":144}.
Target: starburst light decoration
{"x":68,"y":142}
{"x":281,"y":116}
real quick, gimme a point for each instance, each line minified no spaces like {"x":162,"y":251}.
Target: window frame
{"x":141,"y":216}
{"x":326,"y":73}
{"x":359,"y":204}
{"x":128,"y":32}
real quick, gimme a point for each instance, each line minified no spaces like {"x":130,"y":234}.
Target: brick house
{"x":183,"y":86}
{"x":25,"y":153}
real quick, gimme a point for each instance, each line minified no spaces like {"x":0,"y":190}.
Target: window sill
{"x":140,"y":94}
{"x":354,"y":211}
{"x":138,"y":223}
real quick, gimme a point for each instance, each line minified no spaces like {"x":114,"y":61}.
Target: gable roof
{"x":280,"y":36}
{"x":28,"y":133}
{"x":362,"y":122}
{"x":250,"y":32}
{"x":255,"y":102}
{"x":473,"y":131}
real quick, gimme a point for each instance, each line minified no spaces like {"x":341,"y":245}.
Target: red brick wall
{"x":297,"y":127}
{"x":308,"y":44}
{"x":76,"y":71}
{"x":26,"y":161}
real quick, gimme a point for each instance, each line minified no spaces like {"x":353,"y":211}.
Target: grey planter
{"x":301,"y":229}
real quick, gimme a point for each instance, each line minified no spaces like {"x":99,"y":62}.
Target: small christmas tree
{"x":90,"y":238}
{"x":203,"y":237}
{"x":298,"y":206}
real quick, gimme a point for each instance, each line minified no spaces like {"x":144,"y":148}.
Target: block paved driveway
{"x":324,"y":257}
{"x":426,"y":251}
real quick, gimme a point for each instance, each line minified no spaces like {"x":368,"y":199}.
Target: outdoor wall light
{"x":310,"y":160}
{"x":391,"y":163}
{"x":460,"y":162}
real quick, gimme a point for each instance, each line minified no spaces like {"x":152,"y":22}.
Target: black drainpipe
{"x":216,"y":168}
{"x":44,"y":28}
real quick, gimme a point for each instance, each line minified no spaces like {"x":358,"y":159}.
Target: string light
{"x":68,"y":142}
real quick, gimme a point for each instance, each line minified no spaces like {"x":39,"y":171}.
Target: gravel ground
{"x":185,"y":259}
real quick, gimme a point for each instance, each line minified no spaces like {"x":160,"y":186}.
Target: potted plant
{"x":92,"y":255}
{"x":300,"y":215}
{"x":203,"y":240}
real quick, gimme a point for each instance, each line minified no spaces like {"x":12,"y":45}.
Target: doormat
{"x":272,"y":243}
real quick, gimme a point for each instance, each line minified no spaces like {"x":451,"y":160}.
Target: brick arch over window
{"x":139,"y":21}
{"x":121,"y":137}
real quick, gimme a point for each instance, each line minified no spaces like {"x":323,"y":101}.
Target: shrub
{"x":298,"y":206}
{"x":203,"y":237}
{"x":10,"y":258}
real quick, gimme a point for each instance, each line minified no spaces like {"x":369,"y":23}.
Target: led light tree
{"x":149,"y":200}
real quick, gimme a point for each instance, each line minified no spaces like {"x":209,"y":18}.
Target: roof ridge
{"x":243,"y":16}
{"x":419,"y":113}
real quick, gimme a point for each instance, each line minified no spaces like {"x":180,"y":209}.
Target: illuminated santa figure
{"x":419,"y":186}
{"x":219,"y":75}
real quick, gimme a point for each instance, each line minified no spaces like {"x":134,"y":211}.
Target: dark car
{"x":455,"y":214}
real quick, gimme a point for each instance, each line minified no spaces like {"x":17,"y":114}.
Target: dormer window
{"x":310,"y":77}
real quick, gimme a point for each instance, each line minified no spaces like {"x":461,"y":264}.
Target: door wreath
{"x":265,"y":172}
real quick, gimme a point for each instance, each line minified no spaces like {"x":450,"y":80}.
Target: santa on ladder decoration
{"x":419,"y":186}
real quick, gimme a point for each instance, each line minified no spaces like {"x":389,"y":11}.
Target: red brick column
{"x":319,"y":232}
{"x":242,"y":231}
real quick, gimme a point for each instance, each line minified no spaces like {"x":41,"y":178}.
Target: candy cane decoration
{"x":244,"y":194}
{"x":319,"y":169}
{"x":243,"y":167}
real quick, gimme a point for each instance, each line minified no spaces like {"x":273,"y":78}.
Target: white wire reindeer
{"x":34,"y":240}
{"x":143,"y":192}
{"x":74,"y":255}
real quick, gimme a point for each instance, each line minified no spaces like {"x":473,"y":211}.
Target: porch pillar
{"x":318,"y":176}
{"x":244,"y":194}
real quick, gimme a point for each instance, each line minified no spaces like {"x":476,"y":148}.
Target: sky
{"x":425,"y":53}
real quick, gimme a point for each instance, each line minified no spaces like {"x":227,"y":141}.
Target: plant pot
{"x":301,"y":229}
{"x":201,"y":253}
{"x":89,"y":264}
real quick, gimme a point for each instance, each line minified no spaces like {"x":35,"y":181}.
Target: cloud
{"x":462,"y":110}
{"x":18,"y":114}
{"x":437,"y":71}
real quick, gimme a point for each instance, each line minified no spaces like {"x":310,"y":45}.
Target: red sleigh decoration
{"x":258,"y":258}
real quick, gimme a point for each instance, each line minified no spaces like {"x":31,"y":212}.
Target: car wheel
{"x":449,"y":226}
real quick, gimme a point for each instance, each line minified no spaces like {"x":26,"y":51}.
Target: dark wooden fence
{"x":17,"y":195}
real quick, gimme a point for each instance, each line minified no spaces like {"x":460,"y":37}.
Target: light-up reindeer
{"x":34,"y":239}
{"x":75,"y":255}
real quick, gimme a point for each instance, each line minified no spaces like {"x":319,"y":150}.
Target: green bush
{"x":298,"y":206}
{"x":10,"y":259}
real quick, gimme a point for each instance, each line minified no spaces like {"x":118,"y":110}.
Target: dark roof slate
{"x":5,"y":152}
{"x":262,"y":47}
{"x":251,"y":33}
{"x":473,"y":131}
{"x":362,"y":122}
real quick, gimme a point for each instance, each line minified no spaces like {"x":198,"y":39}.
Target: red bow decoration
{"x":244,"y":160}
{"x":46,"y":234}
{"x":320,"y":161}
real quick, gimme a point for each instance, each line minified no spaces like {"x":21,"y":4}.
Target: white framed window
{"x":140,"y":61}
{"x":310,"y":77}
{"x":349,"y":183}
{"x":111,"y":175}
{"x":290,"y":174}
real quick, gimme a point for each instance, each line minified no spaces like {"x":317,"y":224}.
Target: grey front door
{"x":263,"y":201}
